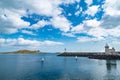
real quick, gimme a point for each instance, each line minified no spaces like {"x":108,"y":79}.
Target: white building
{"x":109,"y":51}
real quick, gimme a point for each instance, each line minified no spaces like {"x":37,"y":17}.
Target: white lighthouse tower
{"x":106,"y":49}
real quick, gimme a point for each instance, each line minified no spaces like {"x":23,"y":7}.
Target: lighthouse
{"x":106,"y":49}
{"x":109,"y":51}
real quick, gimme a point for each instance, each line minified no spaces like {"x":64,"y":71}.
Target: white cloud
{"x":112,"y":8}
{"x":27,"y":42}
{"x":92,"y":10}
{"x":89,"y":2}
{"x":10,"y":21}
{"x":2,"y":41}
{"x":28,"y":32}
{"x":114,"y":31}
{"x":70,"y":1}
{"x":68,"y":34}
{"x":78,"y":29}
{"x":40,"y":24}
{"x":109,"y":24}
{"x":42,"y":7}
{"x":111,"y":16}
{"x":58,"y":21}
{"x":11,"y":13}
{"x":92,"y":23}
{"x":61,"y":23}
{"x":87,"y":39}
{"x":98,"y":32}
{"x":47,"y":42}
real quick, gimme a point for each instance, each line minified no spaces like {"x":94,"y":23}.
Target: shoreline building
{"x":108,"y":50}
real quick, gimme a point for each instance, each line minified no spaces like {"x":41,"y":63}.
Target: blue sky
{"x":52,"y":25}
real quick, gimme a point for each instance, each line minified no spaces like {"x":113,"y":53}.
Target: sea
{"x":49,"y":66}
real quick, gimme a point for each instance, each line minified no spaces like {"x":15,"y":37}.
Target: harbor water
{"x":53,"y":67}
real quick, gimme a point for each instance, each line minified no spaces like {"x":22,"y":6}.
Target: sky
{"x":52,"y":25}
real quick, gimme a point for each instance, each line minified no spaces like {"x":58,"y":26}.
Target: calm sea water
{"x":30,"y":67}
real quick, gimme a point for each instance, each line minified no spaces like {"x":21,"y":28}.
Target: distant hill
{"x":26,"y":51}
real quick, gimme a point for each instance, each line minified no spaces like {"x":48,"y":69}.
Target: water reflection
{"x":65,"y":62}
{"x":111,"y":65}
{"x":42,"y":65}
{"x":111,"y":74}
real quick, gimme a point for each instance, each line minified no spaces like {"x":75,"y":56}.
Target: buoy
{"x":42,"y":59}
{"x":76,"y":57}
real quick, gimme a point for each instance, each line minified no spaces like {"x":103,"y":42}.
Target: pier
{"x":109,"y":54}
{"x":92,"y":55}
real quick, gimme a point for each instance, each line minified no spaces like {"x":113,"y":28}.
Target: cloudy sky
{"x":52,"y":25}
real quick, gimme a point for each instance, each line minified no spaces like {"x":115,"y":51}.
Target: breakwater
{"x":92,"y":55}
